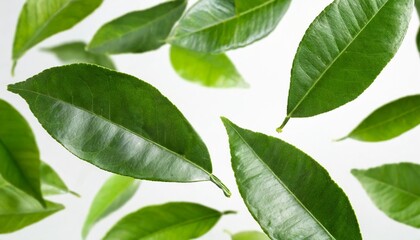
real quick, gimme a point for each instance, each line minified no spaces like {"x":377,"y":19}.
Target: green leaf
{"x":51,"y":183}
{"x":288,"y":193}
{"x":74,"y":52}
{"x":250,"y":235}
{"x":215,"y":26}
{"x":175,"y":221}
{"x":417,"y":3}
{"x":138,"y":32}
{"x":211,"y":70}
{"x":389,"y":121}
{"x":116,"y":192}
{"x":395,"y":190}
{"x":19,"y":162}
{"x":18,"y":210}
{"x":40,"y":19}
{"x":343,"y":51}
{"x":118,"y":123}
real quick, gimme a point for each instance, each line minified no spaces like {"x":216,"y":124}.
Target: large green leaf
{"x":40,"y":19}
{"x":250,"y":235}
{"x":175,"y":221}
{"x":288,"y":193}
{"x":51,"y":183}
{"x":395,"y":190}
{"x":139,"y":31}
{"x":343,"y":51}
{"x":18,"y":210}
{"x":215,"y":26}
{"x":75,"y":52}
{"x":211,"y":70}
{"x":116,"y":192}
{"x":19,"y":163}
{"x":118,"y":123}
{"x":389,"y":121}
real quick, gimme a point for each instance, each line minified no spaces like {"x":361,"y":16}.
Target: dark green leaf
{"x":40,"y":19}
{"x":175,"y":221}
{"x":343,"y":51}
{"x":19,"y":163}
{"x":139,"y":31}
{"x":211,"y":70}
{"x":51,"y":183}
{"x":395,"y":190}
{"x":118,"y":123}
{"x":215,"y":26}
{"x":250,"y":235}
{"x":74,"y":52}
{"x":116,"y":192}
{"x":389,"y":121}
{"x":288,"y":193}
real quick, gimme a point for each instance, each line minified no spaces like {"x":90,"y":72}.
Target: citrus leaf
{"x":389,"y":121}
{"x":343,"y":51}
{"x":138,"y":32}
{"x":395,"y":190}
{"x":211,"y":70}
{"x":117,"y":123}
{"x":250,"y":235}
{"x":175,"y":221}
{"x":116,"y":192}
{"x":51,"y":183}
{"x":289,"y":194}
{"x":215,"y":26}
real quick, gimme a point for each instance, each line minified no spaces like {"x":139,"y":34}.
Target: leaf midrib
{"x":335,"y":59}
{"x":282,"y":183}
{"x":46,"y":210}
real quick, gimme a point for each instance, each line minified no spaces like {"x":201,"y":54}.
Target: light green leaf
{"x":343,"y":51}
{"x":118,"y":123}
{"x":139,"y":31}
{"x":175,"y":221}
{"x":289,"y":194}
{"x":19,"y":155}
{"x":51,"y":183}
{"x":116,"y":192}
{"x":40,"y":19}
{"x":389,"y":121}
{"x":215,"y":26}
{"x":250,"y":235}
{"x":74,"y":52}
{"x":211,"y":70}
{"x":18,"y":210}
{"x":395,"y":190}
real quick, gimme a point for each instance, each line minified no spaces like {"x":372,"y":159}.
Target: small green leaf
{"x":40,"y":19}
{"x":74,"y":52}
{"x":250,"y":235}
{"x":18,"y":210}
{"x":289,"y":194}
{"x":51,"y":183}
{"x":19,"y":155}
{"x":116,"y":192}
{"x":118,"y":123}
{"x":215,"y":26}
{"x":175,"y":221}
{"x":389,"y":121}
{"x":138,"y":32}
{"x":395,"y":190}
{"x":211,"y":70}
{"x":343,"y":51}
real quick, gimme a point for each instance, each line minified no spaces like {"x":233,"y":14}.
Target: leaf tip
{"x":13,"y":67}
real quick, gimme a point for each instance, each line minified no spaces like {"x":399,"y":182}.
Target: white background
{"x":266,"y":67}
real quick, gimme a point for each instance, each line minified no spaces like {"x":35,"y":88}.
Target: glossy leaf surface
{"x":118,"y":123}
{"x":175,"y":221}
{"x":40,"y":19}
{"x":288,"y":193}
{"x":116,"y":192}
{"x":250,"y":235}
{"x":215,"y":26}
{"x":211,"y":70}
{"x":51,"y":182}
{"x":395,"y":190}
{"x":19,"y":155}
{"x":389,"y":121}
{"x":343,"y":51}
{"x":74,"y":52}
{"x":139,"y":31}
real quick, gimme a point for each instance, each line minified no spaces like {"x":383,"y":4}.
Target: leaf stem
{"x":280,"y":129}
{"x":219,"y":183}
